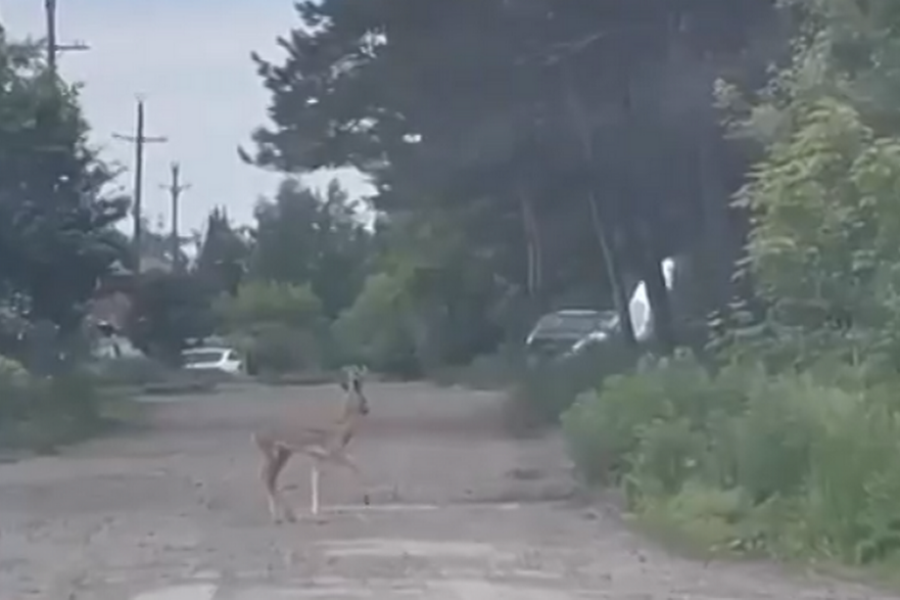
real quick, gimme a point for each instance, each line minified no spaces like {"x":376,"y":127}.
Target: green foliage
{"x":806,"y":467}
{"x":277,"y":349}
{"x":485,"y":372}
{"x":39,"y":413}
{"x":302,"y":237}
{"x":798,"y":458}
{"x":57,"y":242}
{"x":223,"y":256}
{"x":823,"y":241}
{"x":821,"y":199}
{"x":167,"y":310}
{"x":604,"y":426}
{"x":269,"y":303}
{"x":378,"y":329}
{"x":131,"y":371}
{"x":522,"y":184}
{"x":279,"y":326}
{"x":56,"y":234}
{"x":544,"y":391}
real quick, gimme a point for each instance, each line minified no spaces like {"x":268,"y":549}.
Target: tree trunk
{"x":583,"y":131}
{"x":620,"y":297}
{"x":639,"y":112}
{"x":533,"y":244}
{"x":717,"y":245}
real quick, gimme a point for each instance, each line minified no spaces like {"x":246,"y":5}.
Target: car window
{"x":231,"y":355}
{"x":205,"y":356}
{"x":574,"y":324}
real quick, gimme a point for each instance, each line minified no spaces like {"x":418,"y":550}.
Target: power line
{"x":175,"y":187}
{"x":53,"y":46}
{"x":139,"y":139}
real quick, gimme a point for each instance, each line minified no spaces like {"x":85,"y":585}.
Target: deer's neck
{"x":346,"y":425}
{"x":348,"y":415}
{"x":346,"y":428}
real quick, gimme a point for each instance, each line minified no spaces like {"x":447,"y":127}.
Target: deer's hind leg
{"x":275,"y":457}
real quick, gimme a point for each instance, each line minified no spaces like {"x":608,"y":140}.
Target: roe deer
{"x":324,"y":445}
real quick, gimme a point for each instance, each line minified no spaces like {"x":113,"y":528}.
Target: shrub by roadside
{"x":485,"y":372}
{"x":143,"y":375}
{"x":543,"y":392}
{"x":538,"y":394}
{"x":792,"y":466}
{"x":130,"y":371}
{"x":41,"y":413}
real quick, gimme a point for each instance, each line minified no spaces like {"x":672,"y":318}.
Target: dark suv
{"x":567,"y":332}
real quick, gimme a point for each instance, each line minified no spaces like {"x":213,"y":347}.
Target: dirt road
{"x":459,"y":511}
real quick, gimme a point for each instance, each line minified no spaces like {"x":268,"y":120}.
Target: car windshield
{"x":575,"y":324}
{"x":203,"y":356}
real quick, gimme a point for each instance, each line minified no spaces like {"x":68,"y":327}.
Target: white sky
{"x":191,"y":62}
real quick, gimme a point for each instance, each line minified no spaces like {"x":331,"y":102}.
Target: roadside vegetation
{"x":56,"y":240}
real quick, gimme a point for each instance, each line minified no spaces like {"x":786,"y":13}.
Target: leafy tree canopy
{"x":56,"y":211}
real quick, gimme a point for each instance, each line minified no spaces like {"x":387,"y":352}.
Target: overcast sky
{"x":191,"y":61}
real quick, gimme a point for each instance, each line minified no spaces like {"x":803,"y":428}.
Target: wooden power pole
{"x":139,"y":139}
{"x":54,"y":47}
{"x":175,"y":187}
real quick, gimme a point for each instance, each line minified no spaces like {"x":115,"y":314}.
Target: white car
{"x":226,"y":360}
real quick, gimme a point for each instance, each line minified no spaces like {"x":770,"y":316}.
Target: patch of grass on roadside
{"x":544,"y":391}
{"x":39,"y":415}
{"x":706,"y":524}
{"x":487,"y":372}
{"x":300,"y":378}
{"x":699,"y":522}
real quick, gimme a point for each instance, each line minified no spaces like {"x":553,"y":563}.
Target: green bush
{"x":545,"y":390}
{"x":788,"y":465}
{"x":277,"y":326}
{"x":279,"y":349}
{"x":485,"y":372}
{"x":378,"y":329}
{"x":264,"y":302}
{"x":42,"y":412}
{"x":132,"y":370}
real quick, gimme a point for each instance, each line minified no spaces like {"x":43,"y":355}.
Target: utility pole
{"x":175,"y":187}
{"x":53,"y":47}
{"x":139,"y":139}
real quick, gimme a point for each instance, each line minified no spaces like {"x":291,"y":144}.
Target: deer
{"x":325,"y":446}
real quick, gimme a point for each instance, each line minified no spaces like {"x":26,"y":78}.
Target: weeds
{"x":41,"y":413}
{"x":788,"y":466}
{"x":543,"y":392}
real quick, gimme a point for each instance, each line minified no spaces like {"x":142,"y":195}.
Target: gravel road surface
{"x":460,"y":511}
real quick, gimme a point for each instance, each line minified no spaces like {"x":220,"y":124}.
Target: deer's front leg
{"x":347,"y":461}
{"x":315,"y":504}
{"x":314,"y":489}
